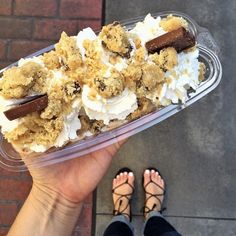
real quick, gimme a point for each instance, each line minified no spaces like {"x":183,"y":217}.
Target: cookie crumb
{"x":171,"y":23}
{"x":114,"y":38}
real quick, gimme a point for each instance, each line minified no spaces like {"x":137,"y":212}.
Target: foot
{"x":154,"y":189}
{"x":123,"y":186}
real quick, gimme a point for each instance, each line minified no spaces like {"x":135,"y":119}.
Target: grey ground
{"x":194,"y":150}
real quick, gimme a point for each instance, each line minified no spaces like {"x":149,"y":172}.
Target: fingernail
{"x":147,"y":171}
{"x":125,"y":173}
{"x":131,"y":174}
{"x":153,"y":171}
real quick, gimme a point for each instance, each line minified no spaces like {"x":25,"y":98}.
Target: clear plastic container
{"x":11,"y":160}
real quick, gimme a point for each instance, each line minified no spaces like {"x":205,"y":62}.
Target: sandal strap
{"x":121,"y":211}
{"x":146,"y":209}
{"x":116,"y":213}
{"x":119,"y":194}
{"x":155,"y":184}
{"x":119,"y":199}
{"x":147,"y":199}
{"x":157,"y":195}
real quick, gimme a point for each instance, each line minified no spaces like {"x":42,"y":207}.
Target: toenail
{"x":153,"y":171}
{"x":147,"y":171}
{"x":125,"y":173}
{"x":131,"y":174}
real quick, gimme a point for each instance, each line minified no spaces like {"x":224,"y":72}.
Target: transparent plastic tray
{"x":11,"y":160}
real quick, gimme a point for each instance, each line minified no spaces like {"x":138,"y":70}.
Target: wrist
{"x":46,"y":212}
{"x":53,"y":207}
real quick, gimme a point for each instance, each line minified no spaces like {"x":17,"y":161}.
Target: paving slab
{"x":194,"y":150}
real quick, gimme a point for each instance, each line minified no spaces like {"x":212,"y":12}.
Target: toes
{"x":130,"y":178}
{"x":153,"y":175}
{"x":147,"y":176}
{"x":125,"y":176}
{"x":159,"y":180}
{"x":118,"y":179}
{"x":156,"y":177}
{"x":162,"y":183}
{"x":114,"y":182}
{"x":122,"y":178}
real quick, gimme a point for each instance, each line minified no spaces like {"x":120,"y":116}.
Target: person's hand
{"x":75,"y":179}
{"x":58,"y":191}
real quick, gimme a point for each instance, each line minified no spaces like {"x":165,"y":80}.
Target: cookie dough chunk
{"x":51,"y":60}
{"x":60,"y":98}
{"x":36,"y":130}
{"x":68,"y":52}
{"x":145,"y":106}
{"x":142,"y":78}
{"x":171,"y":23}
{"x":202,"y":71}
{"x":114,"y":38}
{"x":151,"y":76}
{"x":132,"y":75}
{"x":72,"y":89}
{"x":55,"y":104}
{"x":166,"y":59}
{"x":17,"y":81}
{"x":111,"y":86}
{"x":94,"y":126}
{"x":92,"y":50}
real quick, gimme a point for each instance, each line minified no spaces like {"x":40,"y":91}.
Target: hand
{"x":56,"y":198}
{"x":75,"y":179}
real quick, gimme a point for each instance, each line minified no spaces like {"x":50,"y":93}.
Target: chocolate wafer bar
{"x":180,"y":39}
{"x":37,"y":104}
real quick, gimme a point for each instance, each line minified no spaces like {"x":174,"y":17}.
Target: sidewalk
{"x":195,"y":149}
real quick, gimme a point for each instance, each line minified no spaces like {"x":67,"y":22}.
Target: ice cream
{"x":96,"y":82}
{"x":109,"y":109}
{"x":148,"y":29}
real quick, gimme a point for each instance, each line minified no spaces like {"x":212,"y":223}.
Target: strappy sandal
{"x":146,"y":209}
{"x":127,"y":196}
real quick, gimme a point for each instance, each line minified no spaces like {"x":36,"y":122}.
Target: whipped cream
{"x":37,"y":60}
{"x":148,"y":29}
{"x":86,"y":33}
{"x":89,"y":34}
{"x":37,"y":147}
{"x":118,"y":107}
{"x":182,"y":77}
{"x":71,"y":125}
{"x":55,"y":78}
{"x":5,"y":124}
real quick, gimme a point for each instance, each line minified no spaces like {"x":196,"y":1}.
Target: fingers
{"x":123,"y":141}
{"x":118,"y":144}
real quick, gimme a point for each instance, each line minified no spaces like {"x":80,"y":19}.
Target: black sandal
{"x":146,"y":209}
{"x":118,"y":211}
